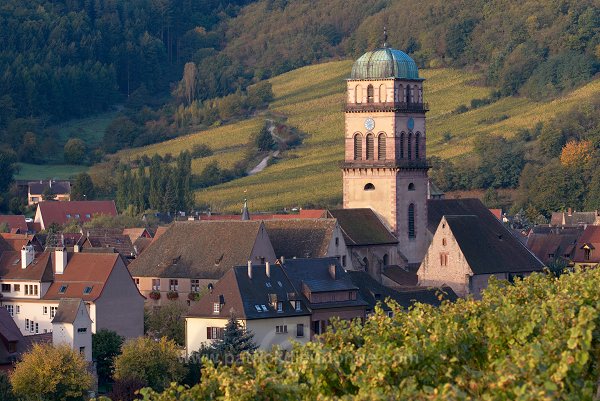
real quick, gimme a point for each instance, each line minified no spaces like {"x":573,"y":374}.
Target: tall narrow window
{"x":370,"y":147}
{"x":381,"y":147}
{"x":402,"y":145}
{"x":382,"y":93}
{"x":358,"y":94}
{"x":417,"y":143}
{"x":357,"y":147}
{"x":407,"y":94}
{"x":370,"y":94}
{"x":411,"y":220}
{"x":409,"y":146}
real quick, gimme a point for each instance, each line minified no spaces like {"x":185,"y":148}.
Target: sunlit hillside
{"x":312,"y":97}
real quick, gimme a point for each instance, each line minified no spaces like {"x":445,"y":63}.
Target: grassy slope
{"x":312,"y":98}
{"x":46,"y":171}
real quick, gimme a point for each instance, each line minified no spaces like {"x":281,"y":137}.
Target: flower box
{"x":154,"y":295}
{"x":172,"y":295}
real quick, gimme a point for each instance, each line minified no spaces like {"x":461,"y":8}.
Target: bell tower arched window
{"x":370,"y":147}
{"x":358,"y":94}
{"x":370,"y":94}
{"x":357,"y":147}
{"x":407,"y":94}
{"x":401,"y":147}
{"x":382,"y":93}
{"x":411,"y":220}
{"x":417,"y":140}
{"x":409,"y":146}
{"x":381,"y":147}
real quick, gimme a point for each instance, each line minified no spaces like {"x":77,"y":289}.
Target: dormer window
{"x":68,"y":216}
{"x":216,"y":307}
{"x":587,"y":252}
{"x":280,"y":306}
{"x":87,"y":290}
{"x":264,"y":308}
{"x":298,"y":306}
{"x":62,"y":289}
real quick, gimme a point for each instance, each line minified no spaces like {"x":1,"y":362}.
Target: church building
{"x":385,"y":167}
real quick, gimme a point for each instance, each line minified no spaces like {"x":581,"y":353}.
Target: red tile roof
{"x":63,"y":212}
{"x":83,"y":270}
{"x":497,"y":213}
{"x":303,"y":214}
{"x":15,"y":242}
{"x":14,"y":221}
{"x":40,"y":269}
{"x":590,"y":238}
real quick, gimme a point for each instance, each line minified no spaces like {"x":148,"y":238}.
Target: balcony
{"x":386,"y":106}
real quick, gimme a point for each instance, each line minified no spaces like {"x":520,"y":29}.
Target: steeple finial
{"x":245,"y":212}
{"x":385,"y":37}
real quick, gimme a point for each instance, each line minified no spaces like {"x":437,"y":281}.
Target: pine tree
{"x":169,"y":201}
{"x":156,"y":189}
{"x":236,"y":339}
{"x":141,"y":189}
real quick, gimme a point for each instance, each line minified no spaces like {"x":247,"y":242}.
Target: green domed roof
{"x":385,"y":63}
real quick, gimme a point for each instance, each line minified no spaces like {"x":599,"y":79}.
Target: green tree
{"x":48,"y":194}
{"x":106,"y":345}
{"x":4,"y":227}
{"x":83,"y":188}
{"x":156,"y":363}
{"x":236,"y":340}
{"x":51,"y":373}
{"x":74,"y":151}
{"x":167,"y":321}
{"x":264,"y":140}
{"x":6,"y":392}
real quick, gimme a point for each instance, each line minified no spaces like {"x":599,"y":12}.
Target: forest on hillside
{"x":171,"y":66}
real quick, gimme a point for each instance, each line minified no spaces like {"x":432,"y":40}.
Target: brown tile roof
{"x":436,"y":208}
{"x":39,"y":270}
{"x":136,"y":233}
{"x":243,"y":296}
{"x":58,"y":212}
{"x":373,"y":292}
{"x":557,"y":243}
{"x":197,"y":249}
{"x":301,"y":238}
{"x":67,"y":310}
{"x":120,"y":243}
{"x":16,"y":242}
{"x":160,"y":230}
{"x":574,"y":218}
{"x":141,"y":244}
{"x":491,"y":248}
{"x":9,"y":331}
{"x":14,"y":221}
{"x":362,"y":227}
{"x":591,"y":239}
{"x":83,"y":270}
{"x":58,"y":187}
{"x":402,"y":276}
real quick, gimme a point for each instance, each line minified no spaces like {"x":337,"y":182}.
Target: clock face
{"x":410,"y":124}
{"x":369,"y":124}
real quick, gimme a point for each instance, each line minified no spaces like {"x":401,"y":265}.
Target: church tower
{"x":385,"y":168}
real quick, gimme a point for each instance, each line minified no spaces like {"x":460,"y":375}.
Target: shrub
{"x":200,"y":150}
{"x":461,"y":109}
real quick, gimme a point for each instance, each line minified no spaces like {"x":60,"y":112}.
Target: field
{"x":47,"y":171}
{"x":312,"y":99}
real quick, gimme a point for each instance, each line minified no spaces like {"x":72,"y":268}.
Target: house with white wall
{"x":33,"y":284}
{"x":262,"y":299}
{"x":72,"y":326}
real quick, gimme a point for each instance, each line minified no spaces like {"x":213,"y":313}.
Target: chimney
{"x":250,"y":270}
{"x":268,"y":269}
{"x":60,"y":258}
{"x":332,"y":271}
{"x":27,"y":256}
{"x":282,"y":259}
{"x":76,"y":248}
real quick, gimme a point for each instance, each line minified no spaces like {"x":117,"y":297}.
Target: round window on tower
{"x":369,"y":187}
